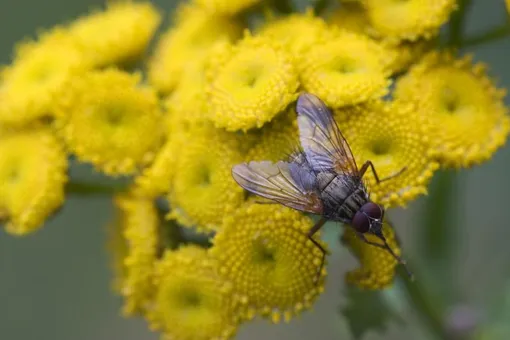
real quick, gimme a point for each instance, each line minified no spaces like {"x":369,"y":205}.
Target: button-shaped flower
{"x":464,"y":110}
{"x":265,"y":252}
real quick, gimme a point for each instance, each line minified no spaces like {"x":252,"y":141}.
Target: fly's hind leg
{"x":367,"y":164}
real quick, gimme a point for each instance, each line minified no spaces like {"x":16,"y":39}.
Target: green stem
{"x":428,"y":311}
{"x":283,"y":6}
{"x":457,"y":23}
{"x":87,"y":188}
{"x":491,"y":35}
{"x":438,"y":222}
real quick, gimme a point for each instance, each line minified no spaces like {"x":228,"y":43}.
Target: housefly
{"x":321,"y":178}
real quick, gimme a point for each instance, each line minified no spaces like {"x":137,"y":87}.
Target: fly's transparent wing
{"x":287,"y":183}
{"x":325,"y":147}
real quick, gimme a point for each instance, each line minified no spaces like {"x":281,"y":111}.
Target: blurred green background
{"x":56,"y":283}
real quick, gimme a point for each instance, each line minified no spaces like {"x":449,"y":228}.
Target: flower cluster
{"x":219,"y":88}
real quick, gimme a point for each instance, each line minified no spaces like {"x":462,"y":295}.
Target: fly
{"x":322,"y":178}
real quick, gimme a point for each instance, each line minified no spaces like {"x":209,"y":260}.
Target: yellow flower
{"x":139,"y":223}
{"x":345,"y":70}
{"x":265,"y":252}
{"x":275,"y":141}
{"x":352,"y":16}
{"x":409,"y":20}
{"x":120,"y":34}
{"x":508,"y":5}
{"x":203,"y":190}
{"x":192,"y":301}
{"x":249,"y":83}
{"x":464,"y":110}
{"x":29,"y":87}
{"x":33,"y":171}
{"x":377,"y":266}
{"x":298,"y":32}
{"x":390,"y":135}
{"x":107,"y":118}
{"x":193,"y":35}
{"x":226,"y":7}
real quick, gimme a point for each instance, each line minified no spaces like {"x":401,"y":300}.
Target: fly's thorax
{"x":342,"y":195}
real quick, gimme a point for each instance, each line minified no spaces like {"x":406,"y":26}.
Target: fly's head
{"x":369,"y":219}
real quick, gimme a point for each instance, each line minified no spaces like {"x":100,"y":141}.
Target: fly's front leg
{"x":364,"y":239}
{"x":367,"y":164}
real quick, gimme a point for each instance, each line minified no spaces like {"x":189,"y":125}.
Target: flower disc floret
{"x":250,"y":83}
{"x":265,"y":252}
{"x":377,"y":266}
{"x":139,"y":224}
{"x":465,"y":113}
{"x":345,"y":70}
{"x":390,"y":135}
{"x":194,"y":33}
{"x":203,"y":190}
{"x":108,"y":119}
{"x":118,"y":35}
{"x":192,"y":301}
{"x":409,"y":20}
{"x":33,"y":171}
{"x":34,"y":80}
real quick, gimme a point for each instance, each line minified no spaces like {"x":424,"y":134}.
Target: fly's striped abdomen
{"x":351,"y":205}
{"x":342,"y":196}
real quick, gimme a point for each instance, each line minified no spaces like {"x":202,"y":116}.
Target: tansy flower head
{"x":33,"y":171}
{"x":345,"y":70}
{"x":226,"y":7}
{"x":297,"y":32}
{"x":30,"y":85}
{"x":188,"y":41}
{"x":139,"y":222}
{"x":203,"y":190}
{"x":352,"y":16}
{"x":192,"y":301}
{"x":377,"y":266}
{"x":265,"y":252}
{"x":249,"y":83}
{"x":109,"y":119}
{"x":393,"y":139}
{"x":120,"y":34}
{"x":409,"y":20}
{"x":464,"y":110}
